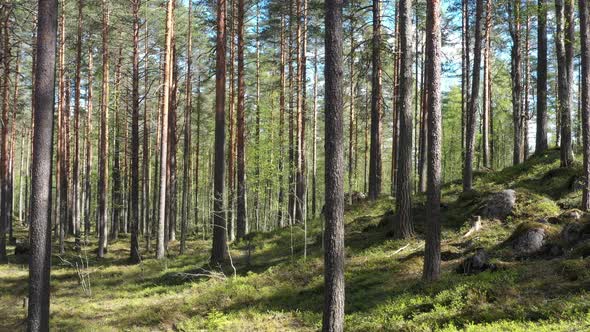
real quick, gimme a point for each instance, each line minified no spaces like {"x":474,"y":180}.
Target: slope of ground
{"x":276,"y":289}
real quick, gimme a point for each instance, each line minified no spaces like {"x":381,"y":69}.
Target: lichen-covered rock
{"x":476,"y":263}
{"x":529,"y":241}
{"x":499,"y":205}
{"x":571,"y":215}
{"x":575,"y":232}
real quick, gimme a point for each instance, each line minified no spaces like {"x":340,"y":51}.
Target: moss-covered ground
{"x":276,"y":289}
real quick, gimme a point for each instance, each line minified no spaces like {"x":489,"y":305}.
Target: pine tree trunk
{"x":161,"y":249}
{"x":565,"y":53}
{"x":375,"y":166}
{"x":187,"y":135}
{"x":432,"y":258}
{"x":134,"y":189}
{"x":241,"y":220}
{"x":40,"y":230}
{"x":516,"y":75}
{"x":403,"y":224}
{"x":585,"y":63}
{"x":333,"y":317}
{"x":473,"y":101}
{"x":88,"y":171}
{"x":219,"y":250}
{"x":104,"y":139}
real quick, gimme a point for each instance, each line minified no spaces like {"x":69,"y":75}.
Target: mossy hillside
{"x":276,"y":289}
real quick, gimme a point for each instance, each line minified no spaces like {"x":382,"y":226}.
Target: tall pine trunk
{"x":375,"y":166}
{"x":432,"y":258}
{"x":403,"y":223}
{"x":40,"y":231}
{"x":219,"y":251}
{"x":333,"y":317}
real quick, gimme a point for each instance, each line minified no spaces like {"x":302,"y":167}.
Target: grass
{"x":275,"y":289}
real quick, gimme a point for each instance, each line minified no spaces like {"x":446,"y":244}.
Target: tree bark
{"x":187,"y":134}
{"x":375,"y":163}
{"x":160,"y":249}
{"x":40,"y":217}
{"x":432,"y":258}
{"x":403,"y":224}
{"x":516,"y":77}
{"x":473,"y":100}
{"x":241,"y":218}
{"x":134,"y":189}
{"x":585,"y":62}
{"x":333,"y":317}
{"x":104,"y":139}
{"x":219,"y":251}
{"x":565,"y":54}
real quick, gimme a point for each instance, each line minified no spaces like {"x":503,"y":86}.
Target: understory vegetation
{"x":275,"y":288}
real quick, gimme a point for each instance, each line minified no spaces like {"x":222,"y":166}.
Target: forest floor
{"x":277,"y":289}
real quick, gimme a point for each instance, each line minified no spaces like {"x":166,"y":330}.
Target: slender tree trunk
{"x":375,"y":166}
{"x":161,"y":250}
{"x":487,"y":101}
{"x":516,"y":74}
{"x":40,"y":231}
{"x":565,"y":53}
{"x":585,"y":62}
{"x":134,"y":189}
{"x":242,"y":222}
{"x":117,"y":191}
{"x":473,"y":100}
{"x":432,"y":258}
{"x":352,"y":119}
{"x":281,"y":171}
{"x":146,"y":221}
{"x":231,"y":158}
{"x":333,"y":318}
{"x":219,"y":251}
{"x":314,"y":185}
{"x":4,"y":222}
{"x":88,"y":171}
{"x":104,"y":139}
{"x":257,"y":134}
{"x":187,"y":134}
{"x":403,"y":224}
{"x":78,"y":97}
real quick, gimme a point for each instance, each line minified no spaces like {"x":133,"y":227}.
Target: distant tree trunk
{"x":473,"y":101}
{"x":40,"y":217}
{"x":62,"y":179}
{"x":257,"y":133}
{"x":375,"y":166}
{"x":88,"y":171}
{"x":104,"y":139}
{"x":117,"y":191}
{"x":352,"y":119}
{"x":516,"y":74}
{"x":146,"y":146}
{"x":585,"y":62}
{"x":172,"y":182}
{"x":300,"y":178}
{"x":198,"y":154}
{"x":281,"y":171}
{"x":314,"y":186}
{"x":76,"y":167}
{"x":241,"y":220}
{"x":4,"y":220}
{"x":187,"y":134}
{"x":333,"y":318}
{"x":161,"y":249}
{"x":487,"y":82}
{"x":219,"y":251}
{"x":231,"y":157}
{"x":403,"y":224}
{"x":465,"y":59}
{"x":433,"y":81}
{"x":134,"y":189}
{"x":565,"y":53}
